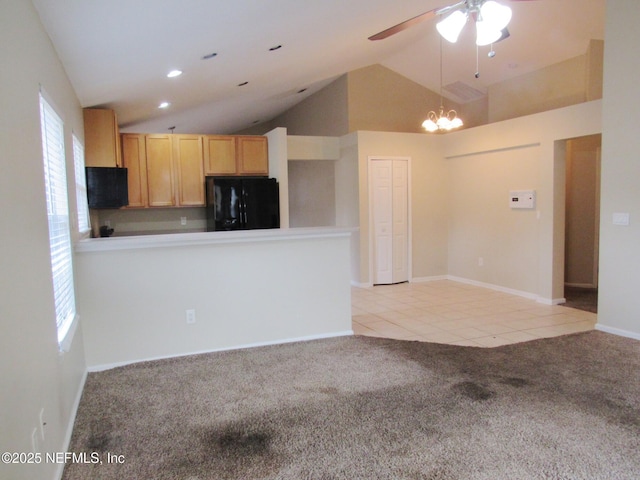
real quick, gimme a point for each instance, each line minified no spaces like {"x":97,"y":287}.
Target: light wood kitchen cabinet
{"x":188,"y":164}
{"x":253,"y":155}
{"x":101,"y":138}
{"x":236,"y":155}
{"x":168,"y":170}
{"x":164,"y":170}
{"x":134,"y":156}
{"x":220,"y":155}
{"x":160,"y":171}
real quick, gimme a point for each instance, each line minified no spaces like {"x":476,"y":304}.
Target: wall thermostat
{"x":522,"y":199}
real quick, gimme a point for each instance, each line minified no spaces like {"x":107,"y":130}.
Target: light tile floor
{"x":444,"y":311}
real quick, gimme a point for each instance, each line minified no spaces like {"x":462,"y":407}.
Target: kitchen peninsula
{"x":154,"y":296}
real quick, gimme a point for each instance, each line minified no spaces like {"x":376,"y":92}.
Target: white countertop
{"x":208,"y":238}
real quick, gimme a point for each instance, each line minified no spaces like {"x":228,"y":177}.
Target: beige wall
{"x":34,"y":375}
{"x":582,"y":211}
{"x":556,"y":86}
{"x":483,"y":226}
{"x":323,"y":113}
{"x":126,"y":221}
{"x":619,"y":302}
{"x":572,"y":81}
{"x":312,"y":193}
{"x":594,"y":70}
{"x":372,"y":98}
{"x":518,"y":154}
{"x":382,"y":100}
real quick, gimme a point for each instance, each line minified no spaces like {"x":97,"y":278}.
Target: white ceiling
{"x":117,"y":52}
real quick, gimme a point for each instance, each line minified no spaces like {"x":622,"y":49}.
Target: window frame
{"x":59,"y":222}
{"x":82,"y":201}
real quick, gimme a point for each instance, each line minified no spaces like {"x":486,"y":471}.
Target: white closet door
{"x":400,"y":266}
{"x":389,"y":184}
{"x":382,"y":179}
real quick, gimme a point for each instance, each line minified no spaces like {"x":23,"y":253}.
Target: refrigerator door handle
{"x":243,"y":208}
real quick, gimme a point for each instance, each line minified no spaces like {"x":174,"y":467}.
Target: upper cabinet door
{"x":220,"y":155}
{"x":134,"y":157}
{"x":101,"y":138}
{"x":188,"y":161}
{"x":253,"y":155}
{"x":160,"y":178}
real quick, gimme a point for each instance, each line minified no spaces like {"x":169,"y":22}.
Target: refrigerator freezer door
{"x":242,"y":203}
{"x":260,"y":203}
{"x":223,"y":204}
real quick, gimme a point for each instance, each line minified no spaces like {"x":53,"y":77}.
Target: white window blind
{"x":58,"y":215}
{"x":81,"y":187}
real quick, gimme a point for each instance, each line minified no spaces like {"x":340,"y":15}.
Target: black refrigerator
{"x":242,"y":203}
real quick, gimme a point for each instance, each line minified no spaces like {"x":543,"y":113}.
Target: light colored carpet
{"x":370,"y":408}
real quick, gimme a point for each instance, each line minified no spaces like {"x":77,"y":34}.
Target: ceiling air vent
{"x":462,"y":92}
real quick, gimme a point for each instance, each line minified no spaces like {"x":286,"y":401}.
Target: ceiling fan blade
{"x":404,"y":25}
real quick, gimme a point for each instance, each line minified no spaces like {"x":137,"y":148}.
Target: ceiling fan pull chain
{"x":477,"y":62}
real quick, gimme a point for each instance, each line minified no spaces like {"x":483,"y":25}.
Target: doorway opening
{"x":390,"y":224}
{"x":582,"y":222}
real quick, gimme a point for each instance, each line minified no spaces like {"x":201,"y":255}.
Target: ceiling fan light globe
{"x":495,"y":15}
{"x":486,"y":35}
{"x":451,"y":26}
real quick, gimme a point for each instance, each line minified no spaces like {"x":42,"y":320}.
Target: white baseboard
{"x":551,"y":301}
{"x":361,"y":285}
{"x":429,"y":279}
{"x":617,"y":331}
{"x":72,"y":420}
{"x":100,"y":368}
{"x":511,"y":291}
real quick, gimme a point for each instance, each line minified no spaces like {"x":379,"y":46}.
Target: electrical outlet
{"x":183,"y":220}
{"x":480,"y":261}
{"x":191,"y":316}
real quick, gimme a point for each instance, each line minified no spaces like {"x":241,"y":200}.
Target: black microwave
{"x":107,"y":187}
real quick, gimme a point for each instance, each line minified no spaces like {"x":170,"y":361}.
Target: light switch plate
{"x":621,"y":219}
{"x":522,"y":199}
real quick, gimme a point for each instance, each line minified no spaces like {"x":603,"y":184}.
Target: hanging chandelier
{"x":441,"y":121}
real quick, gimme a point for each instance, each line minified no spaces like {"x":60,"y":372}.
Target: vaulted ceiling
{"x":272,"y":54}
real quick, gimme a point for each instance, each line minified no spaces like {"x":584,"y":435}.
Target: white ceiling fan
{"x":491,"y":19}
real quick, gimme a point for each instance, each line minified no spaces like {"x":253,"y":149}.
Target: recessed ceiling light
{"x":277,"y":47}
{"x":164,"y":105}
{"x":242,"y":84}
{"x":174,"y":73}
{"x":210,"y":55}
